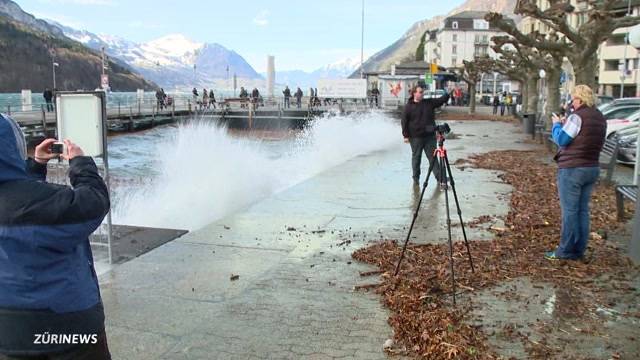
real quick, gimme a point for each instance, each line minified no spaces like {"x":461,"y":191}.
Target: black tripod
{"x":440,"y":155}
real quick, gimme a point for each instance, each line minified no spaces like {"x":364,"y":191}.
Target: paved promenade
{"x":294,"y":295}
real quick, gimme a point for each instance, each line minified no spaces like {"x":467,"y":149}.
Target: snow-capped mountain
{"x":169,"y":61}
{"x":337,"y":70}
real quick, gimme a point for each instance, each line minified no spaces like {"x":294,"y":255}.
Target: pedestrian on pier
{"x":298,"y":96}
{"x":287,"y":97}
{"x":48,"y":97}
{"x":159,"y":99}
{"x":374,"y":95}
{"x":243,"y":97}
{"x":195,"y":97}
{"x":205,"y":98}
{"x":212,"y":99}
{"x":255,"y":95}
{"x":164,"y":98}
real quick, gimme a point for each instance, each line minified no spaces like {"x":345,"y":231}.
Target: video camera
{"x":443,"y":128}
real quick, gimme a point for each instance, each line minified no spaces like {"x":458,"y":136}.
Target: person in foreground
{"x":418,"y":129}
{"x":50,"y":305}
{"x":580,"y":137}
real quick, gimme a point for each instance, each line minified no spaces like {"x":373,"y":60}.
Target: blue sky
{"x":301,"y":34}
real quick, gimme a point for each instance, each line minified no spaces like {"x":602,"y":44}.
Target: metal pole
{"x":102,"y":60}
{"x":105,"y":160}
{"x":53,"y":66}
{"x":362,"y":44}
{"x":624,"y":58}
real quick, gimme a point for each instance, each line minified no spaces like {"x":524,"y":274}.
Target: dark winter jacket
{"x":47,"y":277}
{"x":419,"y":118}
{"x":287,"y":93}
{"x":47,"y":95}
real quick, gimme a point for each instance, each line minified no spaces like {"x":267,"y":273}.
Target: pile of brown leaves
{"x":422,"y":316}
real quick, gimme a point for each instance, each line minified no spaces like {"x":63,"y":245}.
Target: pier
{"x":234,"y":113}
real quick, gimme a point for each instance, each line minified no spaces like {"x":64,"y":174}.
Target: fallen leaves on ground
{"x":421,"y":313}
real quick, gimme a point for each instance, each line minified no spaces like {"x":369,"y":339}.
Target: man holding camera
{"x":50,"y":305}
{"x":418,"y":129}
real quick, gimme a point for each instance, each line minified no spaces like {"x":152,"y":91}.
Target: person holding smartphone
{"x":580,"y":137}
{"x":50,"y":305}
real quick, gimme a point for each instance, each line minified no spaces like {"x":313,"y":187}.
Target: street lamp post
{"x":54,"y":64}
{"x":362,"y":44}
{"x":623,"y":75}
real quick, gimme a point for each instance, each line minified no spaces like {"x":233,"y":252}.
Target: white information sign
{"x":80,"y":119}
{"x":26,"y":100}
{"x":342,"y":88}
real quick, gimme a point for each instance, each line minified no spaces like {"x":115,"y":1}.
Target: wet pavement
{"x":293,"y":297}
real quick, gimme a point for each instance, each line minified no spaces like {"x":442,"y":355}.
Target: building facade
{"x":465,"y":36}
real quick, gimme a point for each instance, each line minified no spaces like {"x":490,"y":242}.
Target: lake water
{"x":189,"y":175}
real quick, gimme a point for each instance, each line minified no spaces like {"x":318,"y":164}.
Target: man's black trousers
{"x":418,"y":146}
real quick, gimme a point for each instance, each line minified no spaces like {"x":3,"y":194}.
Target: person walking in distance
{"x":496,"y":103}
{"x":503,"y":103}
{"x":298,"y":95}
{"x":418,"y":129}
{"x":205,"y":99}
{"x":212,"y":99}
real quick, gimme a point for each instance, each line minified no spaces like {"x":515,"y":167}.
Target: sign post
{"x":343,"y":88}
{"x":82,"y":118}
{"x":104,"y":82}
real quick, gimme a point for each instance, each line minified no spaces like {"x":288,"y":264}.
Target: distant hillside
{"x":404,"y":49}
{"x":26,"y":63}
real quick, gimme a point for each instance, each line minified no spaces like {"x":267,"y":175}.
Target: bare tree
{"x":579,"y":45}
{"x":471,"y":73}
{"x":529,"y":61}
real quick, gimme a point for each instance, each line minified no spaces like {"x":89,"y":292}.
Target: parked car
{"x":614,"y":125}
{"x":604,"y":99}
{"x":619,"y":102}
{"x":621,"y":111}
{"x":628,"y":139}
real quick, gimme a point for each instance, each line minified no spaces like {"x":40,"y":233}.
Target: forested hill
{"x":26,"y":62}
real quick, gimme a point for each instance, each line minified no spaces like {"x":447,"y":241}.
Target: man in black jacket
{"x":418,"y":129}
{"x":50,"y":305}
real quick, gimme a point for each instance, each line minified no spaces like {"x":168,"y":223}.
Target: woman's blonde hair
{"x":585,"y":94}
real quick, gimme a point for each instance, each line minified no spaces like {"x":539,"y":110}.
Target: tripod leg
{"x":441,"y":160}
{"x":415,"y":216}
{"x":455,"y":196}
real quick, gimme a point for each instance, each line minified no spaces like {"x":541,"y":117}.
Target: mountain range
{"x":338,"y":70}
{"x":169,"y":60}
{"x":404,"y":49}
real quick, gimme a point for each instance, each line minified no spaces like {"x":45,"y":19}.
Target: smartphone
{"x":57,"y":148}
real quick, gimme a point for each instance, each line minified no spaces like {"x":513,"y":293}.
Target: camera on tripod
{"x":443,"y":128}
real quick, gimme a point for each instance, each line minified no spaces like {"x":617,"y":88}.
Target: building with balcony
{"x":465,"y":36}
{"x":613,"y":70}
